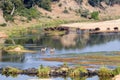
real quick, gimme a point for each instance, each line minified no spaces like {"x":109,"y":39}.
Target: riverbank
{"x":103,"y":26}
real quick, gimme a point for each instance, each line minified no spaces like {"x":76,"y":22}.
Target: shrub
{"x":29,"y":13}
{"x":13,"y":47}
{"x":77,"y":71}
{"x":116,"y":71}
{"x":94,"y":15}
{"x":45,"y":4}
{"x":60,"y":5}
{"x":9,"y":17}
{"x":105,"y":72}
{"x":65,"y":11}
{"x":10,"y":71}
{"x":85,"y":13}
{"x":3,"y":25}
{"x":43,"y":71}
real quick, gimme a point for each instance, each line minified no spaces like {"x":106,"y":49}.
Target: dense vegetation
{"x":108,"y":2}
{"x":24,"y":8}
{"x":27,"y":8}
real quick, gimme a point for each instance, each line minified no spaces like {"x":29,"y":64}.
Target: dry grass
{"x":89,"y":59}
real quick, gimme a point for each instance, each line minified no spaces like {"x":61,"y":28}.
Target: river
{"x":65,"y":46}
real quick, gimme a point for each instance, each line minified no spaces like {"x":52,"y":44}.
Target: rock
{"x":116,"y":77}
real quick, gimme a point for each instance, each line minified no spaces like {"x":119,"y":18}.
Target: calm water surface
{"x":66,"y":44}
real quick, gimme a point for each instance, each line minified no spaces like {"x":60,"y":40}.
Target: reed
{"x":11,"y":71}
{"x":103,"y":71}
{"x":77,"y":71}
{"x":43,"y":71}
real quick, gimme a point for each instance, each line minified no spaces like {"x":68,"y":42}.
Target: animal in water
{"x":43,"y":50}
{"x":52,"y":50}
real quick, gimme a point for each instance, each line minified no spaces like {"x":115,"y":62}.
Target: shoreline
{"x":102,"y":26}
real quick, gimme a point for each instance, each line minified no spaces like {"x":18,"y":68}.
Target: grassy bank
{"x":22,"y":30}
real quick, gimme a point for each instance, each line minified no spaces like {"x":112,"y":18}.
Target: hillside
{"x":33,"y":11}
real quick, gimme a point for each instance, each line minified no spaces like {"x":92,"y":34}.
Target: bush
{"x":9,"y":17}
{"x":3,"y":25}
{"x":65,"y":11}
{"x":45,"y":4}
{"x":13,"y":47}
{"x":29,"y":13}
{"x":85,"y":13}
{"x":10,"y":71}
{"x":77,"y":71}
{"x":105,"y":72}
{"x":116,"y":71}
{"x":43,"y":71}
{"x":60,"y":5}
{"x":94,"y":15}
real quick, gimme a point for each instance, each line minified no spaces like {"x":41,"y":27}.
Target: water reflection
{"x":70,"y":43}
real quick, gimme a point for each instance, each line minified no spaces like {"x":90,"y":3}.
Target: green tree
{"x":45,"y":4}
{"x":95,"y":15}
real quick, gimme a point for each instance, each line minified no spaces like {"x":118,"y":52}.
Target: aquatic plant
{"x":11,"y":71}
{"x":105,"y":72}
{"x":13,"y":47}
{"x":77,"y":71}
{"x":43,"y":71}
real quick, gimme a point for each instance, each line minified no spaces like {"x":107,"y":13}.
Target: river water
{"x":76,"y":44}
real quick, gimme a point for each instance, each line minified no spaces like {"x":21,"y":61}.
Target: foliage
{"x":46,"y":4}
{"x":98,"y":2}
{"x":65,"y":10}
{"x":60,"y":4}
{"x":85,"y":13}
{"x":79,"y":1}
{"x":105,"y":72}
{"x":94,"y":15}
{"x":11,"y":71}
{"x":77,"y":71}
{"x":3,"y":25}
{"x":43,"y":71}
{"x":29,"y":13}
{"x":13,"y":47}
{"x":116,"y":71}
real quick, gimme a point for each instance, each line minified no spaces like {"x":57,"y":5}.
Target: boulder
{"x":116,"y":77}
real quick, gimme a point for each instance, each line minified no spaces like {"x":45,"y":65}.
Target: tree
{"x":94,"y":15}
{"x":45,"y":4}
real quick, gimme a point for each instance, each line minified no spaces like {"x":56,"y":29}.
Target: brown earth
{"x":71,"y":6}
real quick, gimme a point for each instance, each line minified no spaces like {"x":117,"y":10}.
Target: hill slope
{"x":58,"y":9}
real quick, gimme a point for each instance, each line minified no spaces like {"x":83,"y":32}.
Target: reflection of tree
{"x":12,"y":57}
{"x":101,"y":39}
{"x":68,"y":40}
{"x":78,"y":78}
{"x":71,"y":41}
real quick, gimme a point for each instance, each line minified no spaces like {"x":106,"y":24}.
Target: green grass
{"x":43,"y":71}
{"x":105,"y":72}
